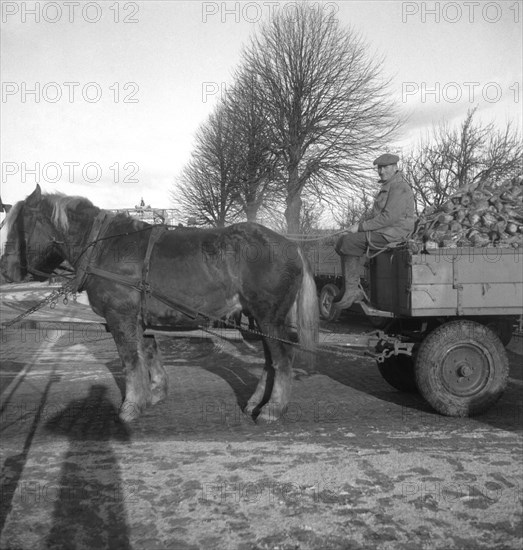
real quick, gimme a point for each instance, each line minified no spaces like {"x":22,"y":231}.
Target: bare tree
{"x":354,"y":210}
{"x":254,"y":153}
{"x":207,"y":188}
{"x":310,"y":217}
{"x":327,"y":109}
{"x":231,"y":173}
{"x":452,"y":158}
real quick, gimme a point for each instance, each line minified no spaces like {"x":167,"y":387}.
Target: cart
{"x":453,"y":311}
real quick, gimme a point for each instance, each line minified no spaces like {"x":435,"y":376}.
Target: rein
{"x":312,"y":238}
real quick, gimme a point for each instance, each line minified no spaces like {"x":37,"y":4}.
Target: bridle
{"x":24,"y":260}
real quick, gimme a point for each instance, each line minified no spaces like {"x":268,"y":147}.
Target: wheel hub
{"x":465,"y":370}
{"x":327,"y":301}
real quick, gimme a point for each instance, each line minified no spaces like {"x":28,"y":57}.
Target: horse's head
{"x":27,"y":243}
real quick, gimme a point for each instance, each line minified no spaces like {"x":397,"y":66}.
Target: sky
{"x":102,"y":99}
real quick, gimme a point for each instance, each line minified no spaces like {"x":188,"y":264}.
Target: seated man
{"x":392,"y":220}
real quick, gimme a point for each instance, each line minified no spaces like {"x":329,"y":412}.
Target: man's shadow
{"x":89,"y":507}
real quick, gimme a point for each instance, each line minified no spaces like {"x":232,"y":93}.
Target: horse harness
{"x":84,"y":268}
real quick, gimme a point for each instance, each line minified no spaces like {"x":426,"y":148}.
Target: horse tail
{"x":307,"y":315}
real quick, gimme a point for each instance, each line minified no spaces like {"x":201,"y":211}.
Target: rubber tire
{"x":398,"y":371}
{"x":503,"y":328}
{"x":327,"y":293}
{"x":454,"y":338}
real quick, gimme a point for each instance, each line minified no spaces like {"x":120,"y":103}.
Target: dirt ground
{"x":353,"y":464}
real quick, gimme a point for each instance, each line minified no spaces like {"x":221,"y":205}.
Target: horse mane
{"x":62,"y":205}
{"x":58,"y":203}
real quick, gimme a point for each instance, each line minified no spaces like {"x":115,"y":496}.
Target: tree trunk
{"x":251,"y":211}
{"x":293,"y":199}
{"x":292,"y":213}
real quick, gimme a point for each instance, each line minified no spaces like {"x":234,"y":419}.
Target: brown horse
{"x":137,"y":275}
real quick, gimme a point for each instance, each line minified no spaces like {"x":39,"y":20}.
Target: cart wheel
{"x":398,"y":371}
{"x":461,"y":368}
{"x":327,"y":294}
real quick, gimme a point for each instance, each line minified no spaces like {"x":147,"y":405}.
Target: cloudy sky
{"x":102,"y":99}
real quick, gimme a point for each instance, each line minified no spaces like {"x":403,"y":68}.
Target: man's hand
{"x":353,"y":228}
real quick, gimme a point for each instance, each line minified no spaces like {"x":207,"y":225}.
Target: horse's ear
{"x":34,"y":198}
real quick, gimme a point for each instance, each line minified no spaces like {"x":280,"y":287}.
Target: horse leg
{"x":129,"y":339}
{"x":280,"y":395}
{"x":263,"y":389}
{"x":158,"y":376}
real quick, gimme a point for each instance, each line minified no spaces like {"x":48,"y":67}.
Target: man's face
{"x":386,"y":172}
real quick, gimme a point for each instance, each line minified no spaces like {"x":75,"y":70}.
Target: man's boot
{"x":350,"y":268}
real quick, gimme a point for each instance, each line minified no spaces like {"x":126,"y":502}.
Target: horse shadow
{"x":242,"y":382}
{"x":361,"y":374}
{"x":227,"y":360}
{"x":89,"y":509}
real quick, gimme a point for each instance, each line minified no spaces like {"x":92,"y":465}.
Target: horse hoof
{"x":158,"y":397}
{"x":268,"y":414}
{"x":159,"y":391}
{"x":129,"y":412}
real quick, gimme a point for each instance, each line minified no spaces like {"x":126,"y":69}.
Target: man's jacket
{"x":393,"y":210}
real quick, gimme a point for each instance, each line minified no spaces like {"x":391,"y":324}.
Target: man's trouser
{"x":355,"y":244}
{"x":351,"y":247}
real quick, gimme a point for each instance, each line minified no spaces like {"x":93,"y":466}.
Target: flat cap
{"x":386,"y":159}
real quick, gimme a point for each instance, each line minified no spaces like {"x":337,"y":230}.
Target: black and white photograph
{"x":261,"y":275}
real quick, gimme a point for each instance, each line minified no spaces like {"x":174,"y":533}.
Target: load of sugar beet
{"x":475,"y":216}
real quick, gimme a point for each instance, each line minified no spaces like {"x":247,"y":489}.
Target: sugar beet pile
{"x":476,"y":216}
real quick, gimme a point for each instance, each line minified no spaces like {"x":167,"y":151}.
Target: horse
{"x":139,"y":276}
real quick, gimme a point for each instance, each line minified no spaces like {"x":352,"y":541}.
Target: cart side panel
{"x":439,"y":299}
{"x":468,"y":281}
{"x":496,"y":299}
{"x":482,"y":281}
{"x":388,"y":282}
